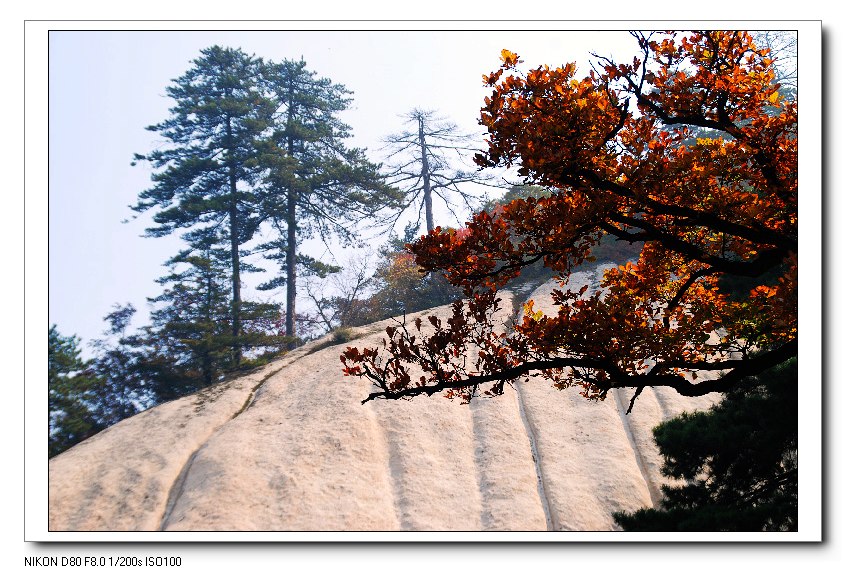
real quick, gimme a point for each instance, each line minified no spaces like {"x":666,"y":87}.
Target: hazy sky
{"x":106,"y":87}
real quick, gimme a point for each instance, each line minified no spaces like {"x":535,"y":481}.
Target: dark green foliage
{"x":254,"y":148}
{"x":738,"y":287}
{"x":72,"y":393}
{"x":218,"y":116}
{"x":190,"y":334}
{"x":205,"y":174}
{"x":312,"y":184}
{"x":122,"y":389}
{"x":515,"y":192}
{"x":85,"y":397}
{"x":189,"y":343}
{"x":738,"y":460}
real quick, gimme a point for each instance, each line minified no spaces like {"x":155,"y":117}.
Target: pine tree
{"x":189,"y":342}
{"x":314,"y":185}
{"x":123,"y":388}
{"x":71,"y":394}
{"x":738,"y":462}
{"x":87,"y":396}
{"x":190,"y":323}
{"x":205,"y":174}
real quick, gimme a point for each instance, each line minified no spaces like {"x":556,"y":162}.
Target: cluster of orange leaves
{"x":622,"y":151}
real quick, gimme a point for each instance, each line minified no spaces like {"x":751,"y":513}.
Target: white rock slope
{"x":291,"y":448}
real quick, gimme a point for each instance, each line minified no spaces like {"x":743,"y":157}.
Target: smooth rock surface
{"x":290,"y":447}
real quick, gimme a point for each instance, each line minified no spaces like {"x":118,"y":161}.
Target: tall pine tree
{"x":315,"y":186}
{"x":205,"y":175}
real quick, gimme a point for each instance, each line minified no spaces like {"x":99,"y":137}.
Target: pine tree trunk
{"x":291,"y":220}
{"x":208,"y":376}
{"x":291,"y":249}
{"x":291,"y":266}
{"x":236,"y":263}
{"x":236,"y":278}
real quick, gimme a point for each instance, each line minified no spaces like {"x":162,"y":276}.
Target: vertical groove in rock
{"x":391,"y":456}
{"x":176,"y":490}
{"x":654,"y":492}
{"x":530,"y":433}
{"x":394,"y":481}
{"x":662,"y":406}
{"x":485,"y":513}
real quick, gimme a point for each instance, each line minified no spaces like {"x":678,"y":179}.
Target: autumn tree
{"x":397,"y":287}
{"x":314,"y":186}
{"x":614,"y":146}
{"x":607,"y":249}
{"x":426,"y":161}
{"x":400,"y":286}
{"x":204,"y":174}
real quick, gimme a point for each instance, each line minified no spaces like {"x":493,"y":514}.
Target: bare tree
{"x":427,"y":160}
{"x":783,"y":49}
{"x":350,"y":287}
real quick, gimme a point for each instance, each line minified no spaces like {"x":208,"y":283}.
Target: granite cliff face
{"x":290,"y":447}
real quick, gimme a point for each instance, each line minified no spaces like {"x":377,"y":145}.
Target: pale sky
{"x":106,"y":87}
